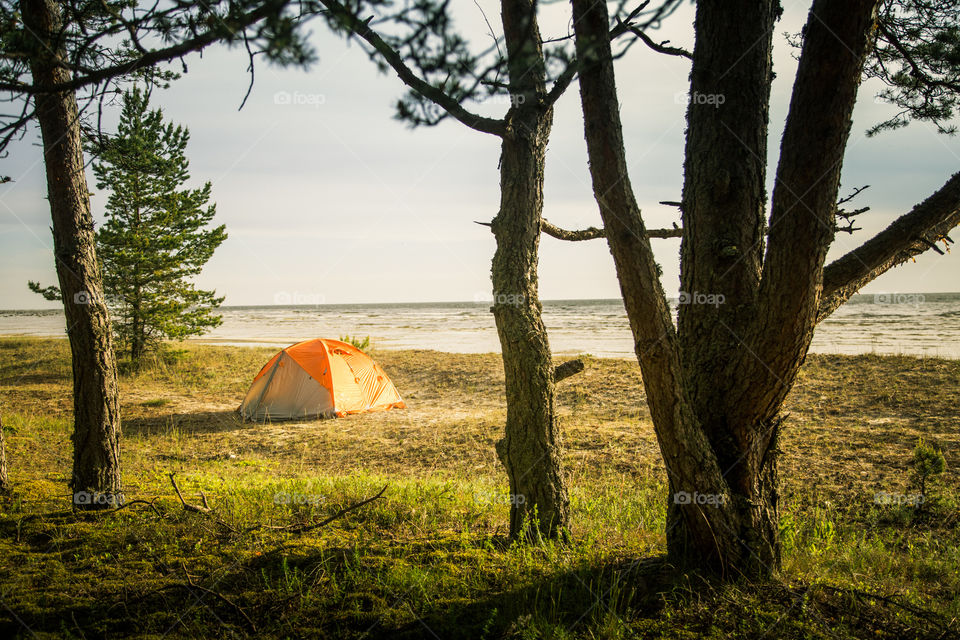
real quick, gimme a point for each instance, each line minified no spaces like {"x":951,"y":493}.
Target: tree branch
{"x":622,"y":27}
{"x":361,"y":28}
{"x":916,"y":71}
{"x":804,"y":200}
{"x":660,"y":47}
{"x":567,"y":369}
{"x":154,"y":56}
{"x":909,"y":235}
{"x":592,"y":233}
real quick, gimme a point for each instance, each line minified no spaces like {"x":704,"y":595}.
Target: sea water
{"x":922,"y":324}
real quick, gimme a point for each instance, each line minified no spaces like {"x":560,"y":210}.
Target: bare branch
{"x":908,"y":236}
{"x":186,"y":505}
{"x":622,"y":27}
{"x":361,"y":28}
{"x":567,"y":369}
{"x":853,"y":195}
{"x":338,"y":514}
{"x":592,"y":233}
{"x":661,"y":47}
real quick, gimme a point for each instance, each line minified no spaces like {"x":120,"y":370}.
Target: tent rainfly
{"x":319,"y":378}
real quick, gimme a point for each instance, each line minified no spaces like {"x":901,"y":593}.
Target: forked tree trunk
{"x":715,"y":390}
{"x":691,"y":465}
{"x":531,"y":448}
{"x":723,"y":210}
{"x":96,"y":435}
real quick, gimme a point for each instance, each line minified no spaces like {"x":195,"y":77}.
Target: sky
{"x":329,"y":200}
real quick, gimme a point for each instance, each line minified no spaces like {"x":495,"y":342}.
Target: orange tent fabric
{"x":319,"y":378}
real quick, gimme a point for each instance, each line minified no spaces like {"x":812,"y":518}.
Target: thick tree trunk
{"x":717,"y":416}
{"x":531,"y":448}
{"x":724,"y":197}
{"x":803,"y":207}
{"x":691,"y":464}
{"x":96,"y":436}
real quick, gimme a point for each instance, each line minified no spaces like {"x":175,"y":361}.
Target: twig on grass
{"x":316,"y":525}
{"x":218,"y":595}
{"x":205,"y":509}
{"x":926,"y":614}
{"x":149,"y":503}
{"x":186,"y":505}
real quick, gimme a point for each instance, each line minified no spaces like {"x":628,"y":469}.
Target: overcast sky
{"x":327,"y":199}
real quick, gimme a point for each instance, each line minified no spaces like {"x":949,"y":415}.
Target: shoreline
{"x":882,"y":324}
{"x":254,"y":343}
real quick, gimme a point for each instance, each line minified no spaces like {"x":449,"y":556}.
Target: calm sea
{"x":919,"y":324}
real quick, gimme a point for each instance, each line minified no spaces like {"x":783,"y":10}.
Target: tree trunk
{"x":531,"y":448}
{"x":692,"y":466}
{"x":724,"y":197}
{"x":96,"y":436}
{"x":717,"y":415}
{"x":136,"y":331}
{"x":4,"y":479}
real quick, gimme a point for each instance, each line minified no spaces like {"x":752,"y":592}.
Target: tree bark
{"x":96,"y":436}
{"x":692,"y":466}
{"x":4,"y":479}
{"x":803,"y":208}
{"x":724,"y":198}
{"x":716,"y":386}
{"x":531,"y":448}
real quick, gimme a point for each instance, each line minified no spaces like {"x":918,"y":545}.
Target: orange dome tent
{"x":319,"y":378}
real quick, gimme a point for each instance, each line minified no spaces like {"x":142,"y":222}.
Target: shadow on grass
{"x":192,"y":422}
{"x":269,"y":596}
{"x":32,"y":373}
{"x":569,"y":603}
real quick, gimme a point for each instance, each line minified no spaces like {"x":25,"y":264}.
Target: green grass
{"x":430,"y":558}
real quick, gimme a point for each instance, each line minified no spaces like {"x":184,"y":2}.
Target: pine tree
{"x":155,"y":238}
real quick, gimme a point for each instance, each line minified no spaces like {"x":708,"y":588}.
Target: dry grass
{"x":853,"y":419}
{"x":853,"y":424}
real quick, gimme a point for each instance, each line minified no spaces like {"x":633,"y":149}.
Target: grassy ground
{"x":429,"y":558}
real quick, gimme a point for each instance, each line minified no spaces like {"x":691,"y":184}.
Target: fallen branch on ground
{"x":567,"y":369}
{"x":186,"y":505}
{"x":149,"y":503}
{"x":301,"y":528}
{"x":205,"y":509}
